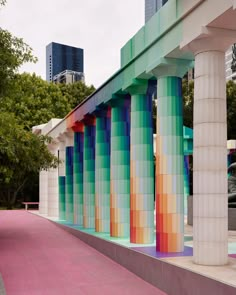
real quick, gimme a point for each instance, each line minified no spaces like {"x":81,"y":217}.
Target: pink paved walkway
{"x":38,"y":258}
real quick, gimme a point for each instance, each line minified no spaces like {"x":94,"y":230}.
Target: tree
{"x":188,"y":94}
{"x":13,"y":53}
{"x":22,"y":153}
{"x":75,"y":93}
{"x":35,"y":101}
{"x":231,"y":109}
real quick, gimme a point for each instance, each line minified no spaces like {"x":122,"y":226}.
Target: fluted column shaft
{"x":89,"y":173}
{"x":78,"y":175}
{"x":141,"y":167}
{"x":186,"y":182}
{"x":210,"y":159}
{"x":169,"y":166}
{"x":69,"y":177}
{"x":62,"y":182}
{"x":102,"y":173}
{"x":53,"y":197}
{"x":120,"y":169}
{"x":43,"y":192}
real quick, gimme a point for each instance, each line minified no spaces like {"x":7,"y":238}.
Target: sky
{"x":100,"y":27}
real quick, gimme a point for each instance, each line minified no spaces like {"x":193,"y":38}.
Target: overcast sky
{"x":100,"y":27}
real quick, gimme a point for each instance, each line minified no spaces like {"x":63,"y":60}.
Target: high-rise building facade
{"x":230,"y":73}
{"x":68,"y":77}
{"x":60,"y":57}
{"x":151,"y":7}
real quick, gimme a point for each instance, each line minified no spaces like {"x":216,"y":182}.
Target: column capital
{"x":89,"y":120}
{"x":211,"y":39}
{"x":53,"y":146}
{"x":68,"y":137}
{"x":119,"y":100}
{"x":61,"y":137}
{"x":172,"y":67}
{"x":102,"y":110}
{"x":69,"y":132}
{"x":78,"y":127}
{"x":139,"y":86}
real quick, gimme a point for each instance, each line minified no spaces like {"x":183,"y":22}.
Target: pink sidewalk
{"x":38,"y":258}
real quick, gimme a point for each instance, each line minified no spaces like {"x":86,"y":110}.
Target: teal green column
{"x":89,"y":173}
{"x":69,"y":178}
{"x":62,"y":181}
{"x":141,"y":166}
{"x":120,"y":169}
{"x":78,"y":173}
{"x":102,"y":173}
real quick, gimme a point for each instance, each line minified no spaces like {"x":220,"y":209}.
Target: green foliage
{"x":75,"y":93}
{"x":21,"y":154}
{"x":13,"y":53}
{"x":31,"y":101}
{"x":35,"y":101}
{"x":231,"y":109}
{"x":188,"y":94}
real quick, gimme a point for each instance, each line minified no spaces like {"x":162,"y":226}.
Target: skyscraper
{"x":60,"y":57}
{"x":151,"y":7}
{"x":230,"y":71}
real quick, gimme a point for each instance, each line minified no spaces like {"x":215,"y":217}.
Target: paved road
{"x":38,"y":258}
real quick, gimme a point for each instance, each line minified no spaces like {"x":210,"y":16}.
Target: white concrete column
{"x":210,"y":217}
{"x":210,"y":201}
{"x":69,"y":194}
{"x":43,"y":192}
{"x":53,"y":197}
{"x":61,"y":178}
{"x":61,"y":167}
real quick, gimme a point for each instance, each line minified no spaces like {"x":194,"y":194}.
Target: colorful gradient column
{"x":169,"y":166}
{"x":69,"y":178}
{"x":89,"y":173}
{"x":120,"y":169}
{"x":102,"y":173}
{"x":62,"y":182}
{"x":78,"y":175}
{"x":141,"y":170}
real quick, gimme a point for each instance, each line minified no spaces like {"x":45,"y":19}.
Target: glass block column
{"x":120,"y":169}
{"x":210,"y":187}
{"x":69,"y":177}
{"x":62,"y":181}
{"x":89,"y":173}
{"x":43,"y":192}
{"x":78,"y":174}
{"x":210,"y":198}
{"x":141,"y":167}
{"x":102,"y":173}
{"x":53,"y":194}
{"x":169,"y":166}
